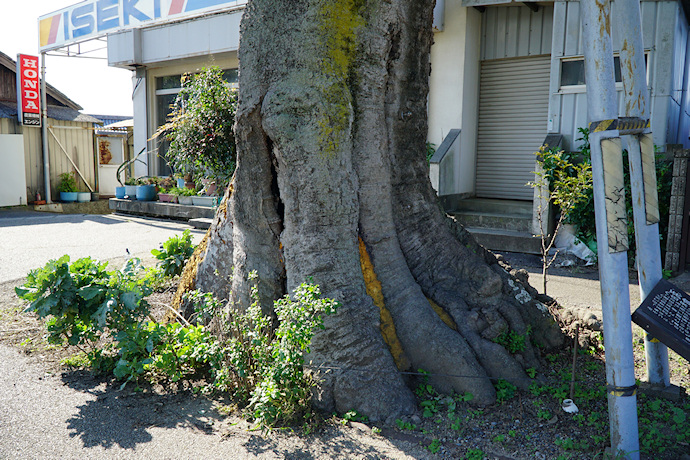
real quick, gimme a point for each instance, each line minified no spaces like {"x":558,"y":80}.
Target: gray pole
{"x":642,"y":175}
{"x":609,"y":206}
{"x":44,"y":130}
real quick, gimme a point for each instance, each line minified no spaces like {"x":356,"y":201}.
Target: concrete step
{"x":159,"y":209}
{"x":515,"y":222}
{"x":488,"y":205}
{"x":506,"y":240}
{"x":201,"y":223}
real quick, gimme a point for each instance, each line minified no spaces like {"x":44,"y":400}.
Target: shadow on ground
{"x":123,"y":418}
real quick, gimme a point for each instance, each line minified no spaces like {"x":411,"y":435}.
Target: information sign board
{"x":665,"y":315}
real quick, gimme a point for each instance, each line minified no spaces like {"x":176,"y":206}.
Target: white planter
{"x":185,"y":200}
{"x":203,"y":201}
{"x":83,"y":197}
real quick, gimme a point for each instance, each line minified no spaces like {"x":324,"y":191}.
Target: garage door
{"x":513,"y":112}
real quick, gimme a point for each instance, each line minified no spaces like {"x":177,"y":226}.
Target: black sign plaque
{"x":665,"y":315}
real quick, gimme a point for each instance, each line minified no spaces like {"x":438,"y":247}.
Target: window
{"x":573,"y":72}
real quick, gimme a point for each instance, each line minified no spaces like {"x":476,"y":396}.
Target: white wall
{"x":12,"y":173}
{"x":451,"y":77}
{"x":446,"y":79}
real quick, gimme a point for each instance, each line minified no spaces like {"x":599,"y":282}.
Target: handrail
{"x":445,"y":146}
{"x":438,"y":157}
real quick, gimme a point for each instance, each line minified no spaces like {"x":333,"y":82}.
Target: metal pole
{"x":642,"y":175}
{"x":44,"y":130}
{"x":609,"y":206}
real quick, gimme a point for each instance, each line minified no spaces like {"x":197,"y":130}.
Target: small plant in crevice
{"x":505,"y":391}
{"x":512,"y":341}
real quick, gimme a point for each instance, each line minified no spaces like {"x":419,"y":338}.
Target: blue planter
{"x":131,"y":192}
{"x":120,"y":192}
{"x":146,"y":192}
{"x":68,"y":197}
{"x":180,"y":183}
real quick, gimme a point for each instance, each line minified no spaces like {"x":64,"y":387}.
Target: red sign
{"x":28,"y":90}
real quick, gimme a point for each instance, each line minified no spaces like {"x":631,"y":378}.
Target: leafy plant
{"x":83,"y":299}
{"x":200,"y":127}
{"x":68,"y":182}
{"x":474,"y":454}
{"x":405,"y":425}
{"x":511,"y":341}
{"x":504,"y":391}
{"x":435,"y":446}
{"x":174,"y":253}
{"x":560,"y":182}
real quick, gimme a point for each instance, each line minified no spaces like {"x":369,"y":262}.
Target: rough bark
{"x":332,"y":184}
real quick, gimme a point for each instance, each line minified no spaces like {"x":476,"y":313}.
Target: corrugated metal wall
{"x":568,"y":110}
{"x":515,"y":31}
{"x":79,"y":144}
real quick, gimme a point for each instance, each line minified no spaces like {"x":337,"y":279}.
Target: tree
{"x":332,"y":184}
{"x":200,"y":127}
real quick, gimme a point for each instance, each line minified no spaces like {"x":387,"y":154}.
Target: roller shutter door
{"x":513,"y":112}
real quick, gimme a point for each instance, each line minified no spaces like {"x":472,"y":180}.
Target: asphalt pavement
{"x":29,"y":239}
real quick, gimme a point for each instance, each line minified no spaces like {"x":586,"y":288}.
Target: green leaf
{"x":130,"y":300}
{"x":90,"y":292}
{"x":101,"y":315}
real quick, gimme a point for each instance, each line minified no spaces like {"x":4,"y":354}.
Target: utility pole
{"x":642,"y":174}
{"x":611,"y":225}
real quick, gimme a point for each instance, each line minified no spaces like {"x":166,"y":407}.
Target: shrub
{"x":174,"y":253}
{"x":200,"y":127}
{"x":84,"y":300}
{"x":68,"y":183}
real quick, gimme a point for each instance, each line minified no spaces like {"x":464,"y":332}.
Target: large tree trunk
{"x":332,"y":183}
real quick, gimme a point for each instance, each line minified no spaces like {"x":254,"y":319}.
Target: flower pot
{"x":146,"y":192}
{"x":131,"y":192}
{"x":167,"y":198}
{"x":203,"y":201}
{"x":68,"y":197}
{"x":185,"y":200}
{"x":180,"y":183}
{"x":83,"y":197}
{"x":120,"y":192}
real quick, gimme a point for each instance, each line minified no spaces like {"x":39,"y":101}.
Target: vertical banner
{"x":28,"y":91}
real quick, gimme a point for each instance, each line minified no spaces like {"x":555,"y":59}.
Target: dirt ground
{"x":160,"y":421}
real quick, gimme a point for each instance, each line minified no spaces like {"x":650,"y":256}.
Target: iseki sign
{"x":28,"y":92}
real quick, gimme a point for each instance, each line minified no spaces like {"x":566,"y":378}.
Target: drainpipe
{"x":642,"y":175}
{"x":609,"y":207}
{"x":44,"y":130}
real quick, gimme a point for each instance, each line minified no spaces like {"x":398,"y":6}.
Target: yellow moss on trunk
{"x":374,"y":290}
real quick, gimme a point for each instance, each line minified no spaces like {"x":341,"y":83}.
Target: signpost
{"x":96,"y":18}
{"x":28,"y":91}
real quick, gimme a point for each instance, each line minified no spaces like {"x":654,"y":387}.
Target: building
{"x":504,"y":76}
{"x":70,"y":142}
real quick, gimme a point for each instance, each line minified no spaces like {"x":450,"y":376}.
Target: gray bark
{"x":331,"y":131}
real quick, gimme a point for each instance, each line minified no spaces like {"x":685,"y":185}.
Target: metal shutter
{"x":513,"y":112}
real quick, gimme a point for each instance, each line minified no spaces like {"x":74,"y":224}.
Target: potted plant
{"x":67,"y":187}
{"x":146,"y":188}
{"x":184,"y":195}
{"x":166,"y":196}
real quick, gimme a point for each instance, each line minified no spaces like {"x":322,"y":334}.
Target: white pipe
{"x":44,"y":130}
